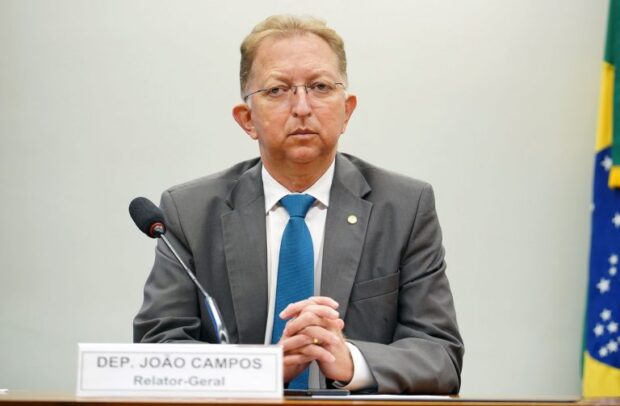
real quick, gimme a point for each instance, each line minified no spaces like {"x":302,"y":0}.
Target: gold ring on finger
{"x":316,"y":341}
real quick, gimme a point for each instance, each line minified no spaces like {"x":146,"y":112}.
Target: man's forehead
{"x":280,"y":57}
{"x":309,"y":72}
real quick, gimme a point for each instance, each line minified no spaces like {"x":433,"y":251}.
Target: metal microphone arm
{"x":214,"y":311}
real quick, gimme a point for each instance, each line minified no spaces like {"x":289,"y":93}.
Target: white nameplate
{"x":180,"y":370}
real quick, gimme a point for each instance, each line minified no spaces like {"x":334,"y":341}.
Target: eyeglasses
{"x":319,"y":90}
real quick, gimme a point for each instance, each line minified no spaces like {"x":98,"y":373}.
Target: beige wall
{"x":493,"y":102}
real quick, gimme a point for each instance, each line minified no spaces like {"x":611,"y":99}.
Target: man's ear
{"x":349,"y":107}
{"x":243,"y":116}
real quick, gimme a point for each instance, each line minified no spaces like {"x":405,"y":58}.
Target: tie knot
{"x":297,"y":205}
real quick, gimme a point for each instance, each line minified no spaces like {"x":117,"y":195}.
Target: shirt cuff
{"x":362,"y":377}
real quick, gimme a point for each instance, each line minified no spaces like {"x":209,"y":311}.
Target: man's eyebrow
{"x":285,"y":78}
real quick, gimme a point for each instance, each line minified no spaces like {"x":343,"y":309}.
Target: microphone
{"x":150,"y":220}
{"x":147,"y":216}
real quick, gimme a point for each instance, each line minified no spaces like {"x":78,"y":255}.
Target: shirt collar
{"x":274,"y":191}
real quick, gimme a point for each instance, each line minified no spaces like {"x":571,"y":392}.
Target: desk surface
{"x":20,"y":398}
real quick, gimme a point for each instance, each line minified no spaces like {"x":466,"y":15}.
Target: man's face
{"x":297,"y":128}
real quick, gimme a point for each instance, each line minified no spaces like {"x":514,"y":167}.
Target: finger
{"x":318,"y":353}
{"x":295,"y":342}
{"x":335,"y":327}
{"x":321,"y":311}
{"x":319,"y":336}
{"x":309,"y":353}
{"x":296,"y":359}
{"x":304,"y":320}
{"x":294,"y":308}
{"x":315,"y":315}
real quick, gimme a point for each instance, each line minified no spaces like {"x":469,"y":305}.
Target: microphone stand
{"x":212,"y":309}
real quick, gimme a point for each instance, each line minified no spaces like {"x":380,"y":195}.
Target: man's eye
{"x":320,"y":87}
{"x":275,"y":91}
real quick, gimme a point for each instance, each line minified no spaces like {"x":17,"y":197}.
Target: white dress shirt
{"x":276,"y":219}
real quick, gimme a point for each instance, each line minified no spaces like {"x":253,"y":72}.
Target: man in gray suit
{"x":382,"y":317}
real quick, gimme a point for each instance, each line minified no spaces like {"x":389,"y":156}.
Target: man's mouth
{"x":303,"y":131}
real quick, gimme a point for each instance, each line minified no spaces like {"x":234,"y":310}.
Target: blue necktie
{"x":295,"y":268}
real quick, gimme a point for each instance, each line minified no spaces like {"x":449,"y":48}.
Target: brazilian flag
{"x":601,"y":364}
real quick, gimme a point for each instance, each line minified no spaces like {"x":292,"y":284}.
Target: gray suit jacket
{"x":387,"y":271}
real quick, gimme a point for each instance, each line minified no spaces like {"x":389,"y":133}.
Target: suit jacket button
{"x":352,"y":219}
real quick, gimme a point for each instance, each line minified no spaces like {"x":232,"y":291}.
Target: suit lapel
{"x":246,"y":255}
{"x":345,"y":232}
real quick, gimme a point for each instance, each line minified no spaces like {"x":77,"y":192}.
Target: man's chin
{"x":307,"y":156}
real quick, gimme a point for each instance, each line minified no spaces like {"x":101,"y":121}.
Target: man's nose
{"x":300,"y":102}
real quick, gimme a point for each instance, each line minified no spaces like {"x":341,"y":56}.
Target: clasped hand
{"x":314,"y":333}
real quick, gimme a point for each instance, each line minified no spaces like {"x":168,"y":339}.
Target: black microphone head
{"x":148,"y":217}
